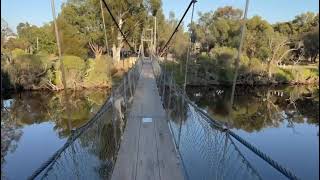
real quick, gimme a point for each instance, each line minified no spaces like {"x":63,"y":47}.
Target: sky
{"x":38,"y":12}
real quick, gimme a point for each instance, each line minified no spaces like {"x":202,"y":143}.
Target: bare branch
{"x":285,"y":53}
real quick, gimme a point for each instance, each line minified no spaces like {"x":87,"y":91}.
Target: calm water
{"x":35,"y":124}
{"x":282,"y":122}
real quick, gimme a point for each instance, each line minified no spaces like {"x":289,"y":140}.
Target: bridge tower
{"x":147,"y":36}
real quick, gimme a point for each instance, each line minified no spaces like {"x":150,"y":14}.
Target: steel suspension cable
{"x":62,"y":68}
{"x":243,"y":30}
{"x":188,"y":53}
{"x":79,"y":131}
{"x":104,"y":28}
{"x":176,"y":29}
{"x":114,"y":20}
{"x":248,"y":145}
{"x":252,"y":148}
{"x":242,"y":34}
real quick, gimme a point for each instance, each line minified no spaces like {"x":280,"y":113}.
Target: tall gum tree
{"x":130,"y":17}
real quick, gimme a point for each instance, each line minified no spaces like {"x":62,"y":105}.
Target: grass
{"x":301,"y":74}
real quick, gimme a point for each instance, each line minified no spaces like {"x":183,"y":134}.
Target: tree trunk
{"x":269,"y":70}
{"x":116,"y":49}
{"x":116,"y":53}
{"x":104,"y":28}
{"x":155,"y":36}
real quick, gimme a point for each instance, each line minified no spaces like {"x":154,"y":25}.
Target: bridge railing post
{"x":180,"y":118}
{"x":161,"y":79}
{"x":125,"y":92}
{"x":113,"y":116}
{"x":163,"y":86}
{"x":170,"y":84}
{"x":130,"y":83}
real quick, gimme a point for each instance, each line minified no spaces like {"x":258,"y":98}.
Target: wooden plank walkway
{"x":147,"y":150}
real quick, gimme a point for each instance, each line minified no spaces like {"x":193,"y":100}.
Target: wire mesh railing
{"x":206,"y":146}
{"x":91,"y":150}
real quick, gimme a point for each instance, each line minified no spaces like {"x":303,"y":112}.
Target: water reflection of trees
{"x":102,"y":141}
{"x":258,"y":108}
{"x":37,"y":107}
{"x":10,"y":135}
{"x":93,"y":152}
{"x":176,"y":106}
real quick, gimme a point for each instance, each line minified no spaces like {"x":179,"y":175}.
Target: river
{"x":281,"y":121}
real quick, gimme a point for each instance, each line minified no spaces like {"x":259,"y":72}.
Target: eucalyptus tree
{"x":130,"y":17}
{"x":311,"y":44}
{"x":154,"y":6}
{"x":81,"y":28}
{"x":5,"y":31}
{"x":218,"y":28}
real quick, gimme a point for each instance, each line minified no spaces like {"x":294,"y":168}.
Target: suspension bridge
{"x":149,"y":129}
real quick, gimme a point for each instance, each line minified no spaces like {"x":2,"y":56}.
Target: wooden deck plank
{"x":125,"y":167}
{"x":147,"y":150}
{"x":148,"y":167}
{"x":169,"y":162}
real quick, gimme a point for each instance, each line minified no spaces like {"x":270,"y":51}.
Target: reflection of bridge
{"x":165,"y":137}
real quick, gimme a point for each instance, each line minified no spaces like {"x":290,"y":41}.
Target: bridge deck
{"x":147,"y":150}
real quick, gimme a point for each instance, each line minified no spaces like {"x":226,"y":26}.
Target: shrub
{"x":27,"y":71}
{"x":74,"y":70}
{"x":283,"y":75}
{"x":223,"y":55}
{"x":57,"y":75}
{"x":305,"y":74}
{"x":244,"y":60}
{"x":17,"y":52}
{"x":73,"y":62}
{"x":98,"y":72}
{"x":225,"y":75}
{"x":256,"y":65}
{"x":204,"y":57}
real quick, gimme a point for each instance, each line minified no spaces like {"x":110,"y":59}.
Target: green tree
{"x":36,"y":37}
{"x":79,"y":23}
{"x":219,"y":28}
{"x":311,"y":44}
{"x":258,"y":30}
{"x":130,"y":17}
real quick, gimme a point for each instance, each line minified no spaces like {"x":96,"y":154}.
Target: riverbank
{"x":206,"y":74}
{"x":39,"y":72}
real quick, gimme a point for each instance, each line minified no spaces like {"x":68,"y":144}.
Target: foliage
{"x":257,"y":34}
{"x":30,"y":35}
{"x":305,"y":74}
{"x":217,"y":34}
{"x":270,"y":44}
{"x":153,"y":6}
{"x":26,"y":71}
{"x":311,"y":44}
{"x":256,"y":65}
{"x":282,"y":75}
{"x":19,"y":43}
{"x":17,"y":52}
{"x":223,"y":55}
{"x":219,"y":28}
{"x":74,"y":69}
{"x":98,"y":72}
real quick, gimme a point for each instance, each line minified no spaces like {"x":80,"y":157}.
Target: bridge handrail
{"x":77,"y":132}
{"x":224,"y":128}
